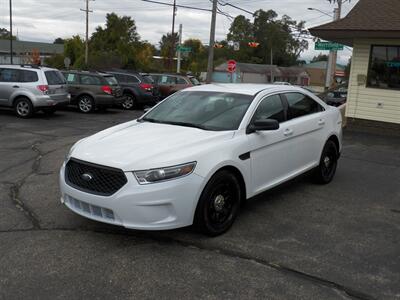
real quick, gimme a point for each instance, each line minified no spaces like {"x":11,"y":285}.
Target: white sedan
{"x":194,"y":157}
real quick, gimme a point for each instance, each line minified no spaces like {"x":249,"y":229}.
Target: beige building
{"x":372,"y":28}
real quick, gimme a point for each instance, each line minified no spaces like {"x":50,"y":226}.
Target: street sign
{"x":328,"y":46}
{"x":67,"y":62}
{"x":231,"y":68}
{"x":183,"y":49}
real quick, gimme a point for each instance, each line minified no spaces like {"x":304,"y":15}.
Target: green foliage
{"x":168,"y":45}
{"x":320,"y":57}
{"x":74,"y":48}
{"x":5,"y":34}
{"x":59,"y":41}
{"x":55,"y":61}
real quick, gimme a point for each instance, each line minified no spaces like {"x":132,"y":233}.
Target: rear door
{"x":306,"y":129}
{"x":74,"y":87}
{"x":57,"y":85}
{"x":166,"y":85}
{"x":8,"y":84}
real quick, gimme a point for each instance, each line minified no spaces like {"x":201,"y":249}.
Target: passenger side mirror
{"x":262,"y":125}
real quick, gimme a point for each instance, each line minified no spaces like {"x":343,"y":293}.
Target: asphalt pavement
{"x":298,"y":241}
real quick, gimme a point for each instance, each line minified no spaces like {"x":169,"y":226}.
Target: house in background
{"x":372,"y":28}
{"x":23,"y":50}
{"x":257,"y":73}
{"x":317,"y":72}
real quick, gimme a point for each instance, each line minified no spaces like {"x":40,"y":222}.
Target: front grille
{"x":94,"y":179}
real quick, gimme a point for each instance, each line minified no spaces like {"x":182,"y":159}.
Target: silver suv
{"x":29,"y":88}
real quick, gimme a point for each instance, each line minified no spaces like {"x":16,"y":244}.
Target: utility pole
{"x":171,"y":55}
{"x":178,"y":65}
{"x":11,"y":36}
{"x":331,"y":66}
{"x":87,"y":11}
{"x":210,"y":65}
{"x":272,"y":62}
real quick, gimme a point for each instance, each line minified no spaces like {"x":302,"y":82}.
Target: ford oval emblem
{"x":87,"y":176}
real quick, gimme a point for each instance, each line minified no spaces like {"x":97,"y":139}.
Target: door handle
{"x":288,"y":132}
{"x":15,"y":86}
{"x":321,"y":122}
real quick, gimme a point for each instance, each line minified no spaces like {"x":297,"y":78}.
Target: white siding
{"x":363,"y":102}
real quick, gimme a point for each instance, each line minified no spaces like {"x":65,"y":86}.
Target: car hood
{"x":143,"y":145}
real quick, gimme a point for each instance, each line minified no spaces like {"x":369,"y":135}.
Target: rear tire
{"x":23,"y":108}
{"x":129,"y":102}
{"x":86,"y":104}
{"x":219,"y":204}
{"x":326,"y":169}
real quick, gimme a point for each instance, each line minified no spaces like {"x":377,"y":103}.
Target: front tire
{"x":23,"y":108}
{"x":86,"y":104}
{"x":326,"y":169}
{"x":219,"y":204}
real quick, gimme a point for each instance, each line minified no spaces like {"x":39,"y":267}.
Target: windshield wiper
{"x":186,"y":124}
{"x":149,"y":120}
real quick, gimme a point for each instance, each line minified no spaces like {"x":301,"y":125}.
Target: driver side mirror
{"x":262,"y":125}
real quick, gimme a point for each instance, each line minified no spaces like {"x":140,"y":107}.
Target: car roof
{"x":243,"y":88}
{"x":87,"y":73}
{"x":27,"y":67}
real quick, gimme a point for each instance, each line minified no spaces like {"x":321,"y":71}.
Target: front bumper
{"x":158,"y":206}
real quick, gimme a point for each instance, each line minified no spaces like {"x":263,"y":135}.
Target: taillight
{"x":106,"y":89}
{"x":146,"y":86}
{"x":43,"y":88}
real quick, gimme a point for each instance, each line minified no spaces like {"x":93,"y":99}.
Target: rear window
{"x":147,"y":79}
{"x":8,"y":75}
{"x":111,"y":80}
{"x":194,"y":81}
{"x":28,"y":76}
{"x":54,"y":77}
{"x":132,"y":79}
{"x":90,"y":80}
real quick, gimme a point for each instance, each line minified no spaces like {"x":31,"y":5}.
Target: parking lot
{"x":299,"y":240}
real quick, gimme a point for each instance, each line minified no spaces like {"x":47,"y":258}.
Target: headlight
{"x":162,"y":174}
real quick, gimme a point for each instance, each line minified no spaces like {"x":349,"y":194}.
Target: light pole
{"x":321,"y":11}
{"x":210,"y":65}
{"x":11,"y":36}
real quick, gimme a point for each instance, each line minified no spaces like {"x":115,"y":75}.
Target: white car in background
{"x":194,"y":157}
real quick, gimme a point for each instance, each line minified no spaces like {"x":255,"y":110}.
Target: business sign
{"x":328,"y":46}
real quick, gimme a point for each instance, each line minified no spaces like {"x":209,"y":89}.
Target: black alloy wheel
{"x":326,"y":169}
{"x":219,"y":204}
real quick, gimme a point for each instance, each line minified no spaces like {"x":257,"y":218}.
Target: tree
{"x":168,"y":44}
{"x":118,"y":38}
{"x":59,"y":41}
{"x":74,"y":48}
{"x":320,"y":57}
{"x":5,"y":34}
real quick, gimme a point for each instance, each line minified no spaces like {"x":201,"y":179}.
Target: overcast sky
{"x":46,"y":20}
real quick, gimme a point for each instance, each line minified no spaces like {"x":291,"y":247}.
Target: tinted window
{"x":384,"y":67}
{"x":147,"y":79}
{"x":208,"y":110}
{"x":301,"y":105}
{"x":132,"y":79}
{"x":270,"y":108}
{"x":28,"y":76}
{"x":71,"y":78}
{"x":167,"y":79}
{"x":90,"y":80}
{"x":121,"y":78}
{"x":111,"y":80}
{"x":194,"y":81}
{"x":54,"y":77}
{"x":8,"y":75}
{"x":181,"y":80}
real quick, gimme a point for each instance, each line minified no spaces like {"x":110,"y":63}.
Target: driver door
{"x":269,"y":150}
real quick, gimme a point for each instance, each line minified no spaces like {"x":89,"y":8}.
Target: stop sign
{"x":231,"y":66}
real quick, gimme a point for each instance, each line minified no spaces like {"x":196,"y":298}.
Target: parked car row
{"x":29,"y":88}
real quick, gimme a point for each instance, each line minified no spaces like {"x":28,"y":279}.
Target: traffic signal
{"x":253,"y":44}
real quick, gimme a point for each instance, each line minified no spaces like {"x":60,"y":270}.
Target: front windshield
{"x":205,"y":110}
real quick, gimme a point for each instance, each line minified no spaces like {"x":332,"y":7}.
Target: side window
{"x":270,"y":108}
{"x":8,"y":75}
{"x":181,"y":80}
{"x":132,"y":79}
{"x":167,"y":79}
{"x":28,"y":76}
{"x":90,"y":80}
{"x":121,"y":78}
{"x":71,"y":78}
{"x":301,"y":105}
